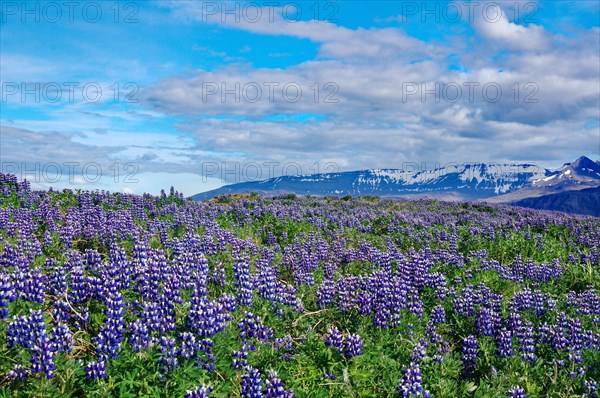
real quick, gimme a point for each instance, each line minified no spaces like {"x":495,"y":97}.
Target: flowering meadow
{"x":122,"y":295}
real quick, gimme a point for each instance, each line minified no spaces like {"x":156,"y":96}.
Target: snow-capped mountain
{"x":583,"y":171}
{"x":581,"y":174}
{"x":459,"y":182}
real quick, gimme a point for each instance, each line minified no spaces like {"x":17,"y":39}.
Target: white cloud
{"x":372,"y":124}
{"x":548,"y":82}
{"x":493,"y":24}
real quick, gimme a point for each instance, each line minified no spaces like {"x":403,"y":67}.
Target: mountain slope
{"x":581,"y":174}
{"x":457,"y":182}
{"x":585,"y":201}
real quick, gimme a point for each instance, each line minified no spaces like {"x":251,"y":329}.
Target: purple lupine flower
{"x":485,"y":327}
{"x":58,"y":281}
{"x":168,"y":354}
{"x":505,"y":344}
{"x":251,"y":326}
{"x":42,"y":357}
{"x":411,"y":386}
{"x":26,"y":330}
{"x":575,"y":334}
{"x":285,"y":342}
{"x":7,"y":294}
{"x":559,"y":341}
{"x":139,"y":337}
{"x":240,"y":358}
{"x":241,"y":271}
{"x":516,"y":392}
{"x":575,"y":356}
{"x":333,"y":338}
{"x":199,"y":392}
{"x":218,"y":275}
{"x":18,"y":372}
{"x":19,"y":332}
{"x":251,"y":384}
{"x":62,"y":339}
{"x":228,"y":302}
{"x":526,"y":343}
{"x":189,"y":346}
{"x":31,"y":285}
{"x":207,"y":359}
{"x":205,"y":317}
{"x":352,"y":345}
{"x":275,"y":387}
{"x":61,"y":311}
{"x":365,"y":303}
{"x":437,"y":341}
{"x":78,"y":287}
{"x":267,"y":279}
{"x":514,"y":321}
{"x":438,"y":314}
{"x":111,"y":333}
{"x":96,"y":370}
{"x":419,"y":351}
{"x":325,"y":293}
{"x":592,"y":388}
{"x":543,"y":334}
{"x":463,"y":303}
{"x":469,"y":357}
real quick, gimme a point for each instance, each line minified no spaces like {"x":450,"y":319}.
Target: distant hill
{"x":512,"y":183}
{"x":585,"y":201}
{"x":580,"y":174}
{"x":455,"y":182}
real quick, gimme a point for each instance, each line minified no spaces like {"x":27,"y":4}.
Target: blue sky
{"x":197,"y":94}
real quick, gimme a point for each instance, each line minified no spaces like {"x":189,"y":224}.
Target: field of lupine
{"x":122,"y":295}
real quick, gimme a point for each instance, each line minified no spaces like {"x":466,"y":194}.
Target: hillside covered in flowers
{"x":121,"y":295}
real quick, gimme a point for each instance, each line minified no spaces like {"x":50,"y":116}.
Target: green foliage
{"x":386,"y":351}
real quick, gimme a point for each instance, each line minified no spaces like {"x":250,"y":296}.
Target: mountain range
{"x":492,"y":182}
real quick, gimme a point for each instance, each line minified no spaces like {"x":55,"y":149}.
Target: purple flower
{"x":411,"y":386}
{"x":241,"y":271}
{"x":516,"y":392}
{"x":418,"y":352}
{"x":168,"y":354}
{"x":352,"y":345}
{"x":189,"y":346}
{"x":96,"y":370}
{"x":199,"y":392}
{"x":218,"y":275}
{"x":111,"y":333}
{"x":485,"y":327}
{"x":526,"y":343}
{"x":7,"y":295}
{"x":469,"y":357}
{"x":592,"y":388}
{"x":333,"y":338}
{"x":139,"y":337}
{"x":240,"y":358}
{"x":18,"y":372}
{"x":62,"y":338}
{"x":207,"y":318}
{"x":504,"y":344}
{"x":438,"y":314}
{"x":326,"y":293}
{"x":42,"y":357}
{"x":251,"y":326}
{"x":26,"y":330}
{"x":275,"y":387}
{"x":251,"y":384}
